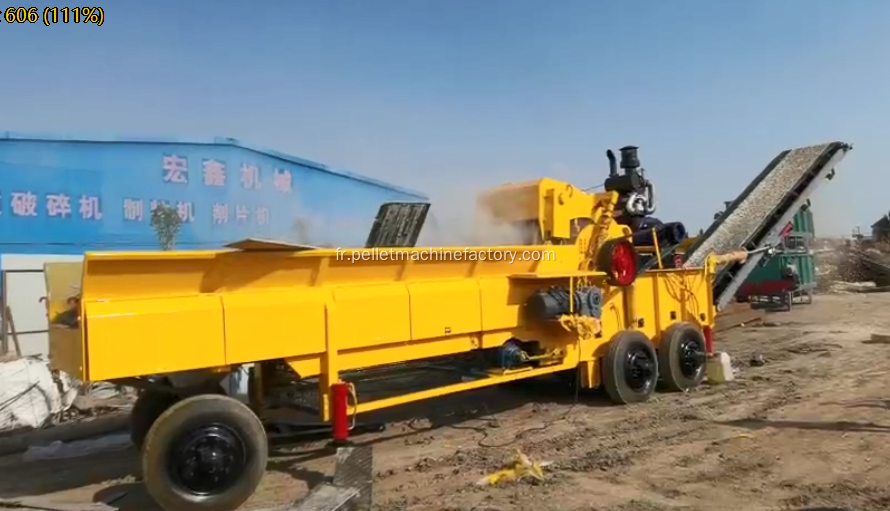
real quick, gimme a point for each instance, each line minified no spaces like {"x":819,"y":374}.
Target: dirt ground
{"x":807,"y":430}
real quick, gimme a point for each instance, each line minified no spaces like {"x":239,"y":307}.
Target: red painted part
{"x":786,"y":230}
{"x":339,"y":411}
{"x":766,"y":288}
{"x":678,"y":261}
{"x":709,"y":339}
{"x":624,"y":263}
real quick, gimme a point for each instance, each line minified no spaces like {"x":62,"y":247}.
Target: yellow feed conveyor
{"x":155,"y":312}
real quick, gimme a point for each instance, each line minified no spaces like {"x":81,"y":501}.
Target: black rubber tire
{"x":670,"y":355}
{"x":190,"y":413}
{"x":614,"y":370}
{"x":150,"y":404}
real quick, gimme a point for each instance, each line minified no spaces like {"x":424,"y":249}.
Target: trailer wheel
{"x":205,"y":453}
{"x":630,"y":368}
{"x":150,"y":404}
{"x":681,"y":357}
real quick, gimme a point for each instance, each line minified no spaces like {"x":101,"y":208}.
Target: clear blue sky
{"x":452,"y":96}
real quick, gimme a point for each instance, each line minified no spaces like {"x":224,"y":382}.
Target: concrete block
{"x":719,"y":368}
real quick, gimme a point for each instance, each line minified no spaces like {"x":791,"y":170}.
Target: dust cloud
{"x":455,"y":220}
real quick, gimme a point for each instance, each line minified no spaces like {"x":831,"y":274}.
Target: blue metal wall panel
{"x":63,"y":195}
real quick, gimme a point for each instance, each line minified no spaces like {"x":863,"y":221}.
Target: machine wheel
{"x":681,"y":357}
{"x":630,"y":368}
{"x":206,"y":452}
{"x":150,"y":404}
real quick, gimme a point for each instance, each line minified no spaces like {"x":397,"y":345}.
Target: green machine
{"x":790,"y":274}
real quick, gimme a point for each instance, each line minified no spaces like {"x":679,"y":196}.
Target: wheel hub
{"x":207,"y":460}
{"x":691,"y":358}
{"x":639,"y":369}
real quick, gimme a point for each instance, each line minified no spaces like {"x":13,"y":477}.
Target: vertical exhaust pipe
{"x":613,"y":163}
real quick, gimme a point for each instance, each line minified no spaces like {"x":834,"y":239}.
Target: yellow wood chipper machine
{"x":600,"y":291}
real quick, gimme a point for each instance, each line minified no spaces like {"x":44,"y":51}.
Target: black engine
{"x":637,"y":195}
{"x":637,"y":201}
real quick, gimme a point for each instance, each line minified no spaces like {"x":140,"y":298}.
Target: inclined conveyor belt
{"x":758,"y":214}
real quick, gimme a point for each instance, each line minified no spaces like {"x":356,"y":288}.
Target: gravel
{"x":735,"y":228}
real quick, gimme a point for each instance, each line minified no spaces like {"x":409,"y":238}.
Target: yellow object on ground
{"x":519,"y":468}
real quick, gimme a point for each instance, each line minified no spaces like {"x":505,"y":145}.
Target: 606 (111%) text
{"x":52,"y":15}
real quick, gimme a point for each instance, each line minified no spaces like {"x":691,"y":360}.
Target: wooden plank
{"x":42,"y":504}
{"x":737,"y":314}
{"x":19,"y":442}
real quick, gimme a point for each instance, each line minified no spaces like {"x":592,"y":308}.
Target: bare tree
{"x":166,"y":223}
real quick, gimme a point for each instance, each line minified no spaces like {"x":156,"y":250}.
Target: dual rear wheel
{"x":632,"y":367}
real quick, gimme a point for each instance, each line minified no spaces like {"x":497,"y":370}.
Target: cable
{"x":354,"y":394}
{"x":518,"y":436}
{"x":493,"y":422}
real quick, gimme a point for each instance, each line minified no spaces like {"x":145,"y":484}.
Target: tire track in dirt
{"x":808,"y":428}
{"x":606,"y":449}
{"x":697,"y":433}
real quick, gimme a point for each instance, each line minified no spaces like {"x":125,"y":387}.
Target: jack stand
{"x":336,"y":444}
{"x":340,"y":414}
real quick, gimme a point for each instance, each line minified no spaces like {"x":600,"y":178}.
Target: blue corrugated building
{"x":61,"y":196}
{"x":67,"y":195}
